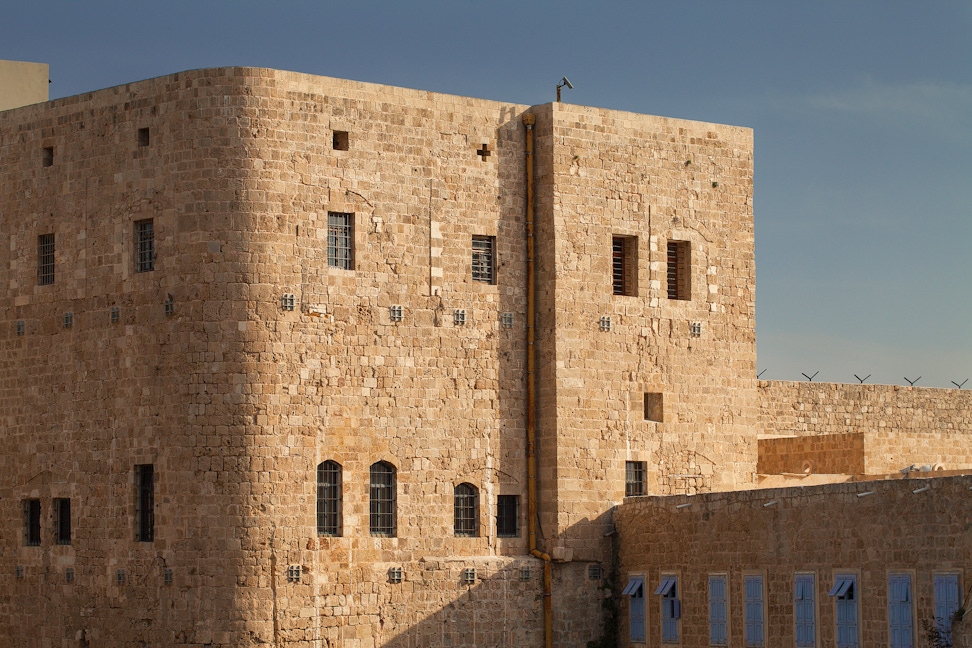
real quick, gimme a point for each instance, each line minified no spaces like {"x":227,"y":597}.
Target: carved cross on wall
{"x":484,"y":152}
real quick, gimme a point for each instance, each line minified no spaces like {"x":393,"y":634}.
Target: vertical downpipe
{"x":529,"y":120}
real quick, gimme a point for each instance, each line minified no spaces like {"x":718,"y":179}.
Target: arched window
{"x":329,"y":498}
{"x":466,"y":510}
{"x":382,"y":518}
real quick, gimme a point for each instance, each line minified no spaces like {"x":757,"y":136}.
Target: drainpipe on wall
{"x":529,"y":120}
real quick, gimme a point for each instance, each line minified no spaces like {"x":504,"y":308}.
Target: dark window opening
{"x":145,"y":502}
{"x":508,"y":516}
{"x":634,"y":478}
{"x":48,"y":156}
{"x":32,"y":522}
{"x":62,"y":521}
{"x":483,"y":259}
{"x":45,"y":259}
{"x":144,"y":245}
{"x":679,"y":270}
{"x":143,"y":136}
{"x":466,"y":503}
{"x":341,"y":141}
{"x":340,"y":240}
{"x":382,"y":500}
{"x":624,"y":265}
{"x":654,"y":409}
{"x":328,"y":499}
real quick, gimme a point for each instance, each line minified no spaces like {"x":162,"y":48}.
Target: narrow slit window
{"x":382,"y":500}
{"x":340,"y":240}
{"x":624,"y":265}
{"x":144,"y":245}
{"x":507,"y":516}
{"x":466,"y":506}
{"x":484,"y":259}
{"x":32,"y":522}
{"x":329,"y":499}
{"x":145,"y":502}
{"x":62,"y":521}
{"x":634,"y":478}
{"x":45,"y":259}
{"x":679,"y":270}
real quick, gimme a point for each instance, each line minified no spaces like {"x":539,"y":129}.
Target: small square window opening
{"x":69,"y":575}
{"x":167,"y":576}
{"x":47,"y":158}
{"x":459,"y":317}
{"x":634,"y":478}
{"x":21,"y":327}
{"x":68,"y":320}
{"x":143,"y":136}
{"x":121,"y":577}
{"x":594,"y":572}
{"x":115,"y":314}
{"x":605,"y":323}
{"x":340,"y":141}
{"x":654,"y":407}
{"x":395,"y":575}
{"x":395,"y":313}
{"x":506,"y":319}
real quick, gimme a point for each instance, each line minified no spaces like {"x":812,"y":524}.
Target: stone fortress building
{"x":297,"y":361}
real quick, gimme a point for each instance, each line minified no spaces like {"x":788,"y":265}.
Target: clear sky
{"x":862,"y":113}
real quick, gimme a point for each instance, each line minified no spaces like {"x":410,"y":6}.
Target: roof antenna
{"x":563,"y":82}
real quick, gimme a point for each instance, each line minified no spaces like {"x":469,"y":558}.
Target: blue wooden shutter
{"x":753,"y":586}
{"x":946,"y":602}
{"x":671,"y":610}
{"x":846,"y":604}
{"x":804,"y":605}
{"x":636,"y":608}
{"x":717,"y":611}
{"x":900,"y":626}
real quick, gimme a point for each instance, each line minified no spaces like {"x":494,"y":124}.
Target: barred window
{"x":328,"y":499}
{"x":382,"y":518}
{"x":483,"y":259}
{"x":466,"y":510}
{"x":144,"y":245}
{"x":679,"y":270}
{"x":62,"y":521}
{"x":507,"y":516}
{"x":624,"y":265}
{"x":45,"y":259}
{"x":32,"y":522}
{"x":340,"y":240}
{"x":634,"y":478}
{"x":145,"y":502}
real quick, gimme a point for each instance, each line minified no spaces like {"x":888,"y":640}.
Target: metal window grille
{"x":382,"y":500}
{"x":469,"y":575}
{"x":459,"y":317}
{"x":144,"y":245}
{"x":68,"y":320}
{"x":466,"y":503}
{"x":62,"y":521}
{"x":695,"y":328}
{"x":328,"y":498}
{"x":634,"y":478}
{"x":483,"y":259}
{"x":169,"y":306}
{"x":288,"y":302}
{"x":340,"y":240}
{"x":526,"y":573}
{"x":395,"y":575}
{"x":506,"y":319}
{"x":45,"y":259}
{"x":121,"y":577}
{"x":395,"y":313}
{"x":21,"y":327}
{"x":167,"y":576}
{"x":69,"y":575}
{"x":624,"y":264}
{"x":679,"y":270}
{"x":605,"y":323}
{"x":145,"y":502}
{"x":594,"y":572}
{"x":32,"y":522}
{"x":293,"y":573}
{"x":115,"y":314}
{"x":507,"y":516}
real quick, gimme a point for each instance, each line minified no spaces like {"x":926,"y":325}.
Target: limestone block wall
{"x":818,"y":530}
{"x":822,"y":453}
{"x":651,"y":180}
{"x":901,"y":425}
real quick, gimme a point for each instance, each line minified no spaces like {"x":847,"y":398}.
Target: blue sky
{"x":862,"y":114}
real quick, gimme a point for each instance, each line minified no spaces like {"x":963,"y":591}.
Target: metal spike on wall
{"x":810,"y":378}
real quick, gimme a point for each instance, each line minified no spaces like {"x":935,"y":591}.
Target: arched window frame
{"x":466,"y":510}
{"x":382,"y":500}
{"x":329,"y":492}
